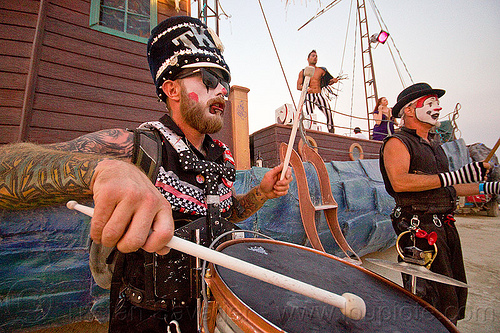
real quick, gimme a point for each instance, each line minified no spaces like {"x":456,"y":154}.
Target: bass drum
{"x":245,"y":304}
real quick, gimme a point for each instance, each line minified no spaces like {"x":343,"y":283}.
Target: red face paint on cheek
{"x":193,"y":96}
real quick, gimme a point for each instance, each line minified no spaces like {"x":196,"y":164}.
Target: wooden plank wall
{"x":266,"y":143}
{"x":87,"y":80}
{"x":17,"y":29}
{"x":331,"y":147}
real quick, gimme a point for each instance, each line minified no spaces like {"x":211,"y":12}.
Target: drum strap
{"x":149,"y":276}
{"x":147,"y":152}
{"x":116,"y":282}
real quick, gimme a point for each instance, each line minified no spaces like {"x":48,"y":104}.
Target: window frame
{"x":95,"y":10}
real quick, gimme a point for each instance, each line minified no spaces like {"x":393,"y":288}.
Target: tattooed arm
{"x":129,"y":211}
{"x":32,"y":176}
{"x":269,"y":188}
{"x":117,"y":143}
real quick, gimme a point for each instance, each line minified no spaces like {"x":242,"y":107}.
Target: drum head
{"x":389,"y":308}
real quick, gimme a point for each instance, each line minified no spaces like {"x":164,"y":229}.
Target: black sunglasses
{"x":210,"y":79}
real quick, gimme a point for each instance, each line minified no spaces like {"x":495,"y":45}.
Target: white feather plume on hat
{"x":217,"y":41}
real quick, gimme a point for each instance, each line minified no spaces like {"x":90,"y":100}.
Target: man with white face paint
{"x":416,"y":173}
{"x":427,"y":109}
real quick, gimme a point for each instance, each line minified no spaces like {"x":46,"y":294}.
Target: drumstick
{"x":308,"y":73}
{"x":352,"y":306}
{"x":492,"y":152}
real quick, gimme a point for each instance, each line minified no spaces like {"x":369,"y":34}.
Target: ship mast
{"x":206,"y":11}
{"x":370,"y":85}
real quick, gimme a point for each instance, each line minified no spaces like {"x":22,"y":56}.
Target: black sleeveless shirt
{"x":426,"y":158}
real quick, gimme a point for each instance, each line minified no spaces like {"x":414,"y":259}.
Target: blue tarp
{"x":363,"y":207}
{"x":45,"y":278}
{"x":44,"y":275}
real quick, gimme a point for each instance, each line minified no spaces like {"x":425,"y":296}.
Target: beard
{"x":195,"y":114}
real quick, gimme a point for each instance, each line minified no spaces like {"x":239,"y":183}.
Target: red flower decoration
{"x":431,"y":237}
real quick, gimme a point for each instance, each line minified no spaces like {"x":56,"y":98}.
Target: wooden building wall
{"x":332,"y":147}
{"x":82,"y":80}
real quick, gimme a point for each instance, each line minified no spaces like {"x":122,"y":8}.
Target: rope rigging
{"x":384,"y":27}
{"x":277,"y":55}
{"x":448,"y":132}
{"x":321,"y":12}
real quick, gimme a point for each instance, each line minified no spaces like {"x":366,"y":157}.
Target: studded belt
{"x":417,"y":218}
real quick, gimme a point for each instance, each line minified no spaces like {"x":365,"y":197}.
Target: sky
{"x":451,"y":44}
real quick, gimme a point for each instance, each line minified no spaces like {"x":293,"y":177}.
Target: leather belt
{"x":418,"y":218}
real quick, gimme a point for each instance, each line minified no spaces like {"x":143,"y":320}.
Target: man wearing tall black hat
{"x":416,"y":173}
{"x":192,"y":175}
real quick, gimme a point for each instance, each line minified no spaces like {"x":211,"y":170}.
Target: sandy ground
{"x":481,"y":247}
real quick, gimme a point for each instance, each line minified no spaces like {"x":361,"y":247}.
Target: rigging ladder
{"x":366,"y":56}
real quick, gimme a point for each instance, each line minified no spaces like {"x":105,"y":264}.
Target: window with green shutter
{"x":132,"y":19}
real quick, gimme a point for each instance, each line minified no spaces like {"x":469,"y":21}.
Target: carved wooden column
{"x":238,"y":99}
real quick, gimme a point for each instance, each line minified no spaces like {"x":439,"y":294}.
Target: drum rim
{"x":215,"y":276}
{"x":234,"y":306}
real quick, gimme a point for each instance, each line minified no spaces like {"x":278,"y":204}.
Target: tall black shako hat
{"x":182,"y":42}
{"x":412,"y":93}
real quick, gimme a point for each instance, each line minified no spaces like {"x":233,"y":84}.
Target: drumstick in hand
{"x":352,"y":306}
{"x":308,"y":73}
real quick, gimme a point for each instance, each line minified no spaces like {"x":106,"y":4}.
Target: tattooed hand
{"x":270,"y":187}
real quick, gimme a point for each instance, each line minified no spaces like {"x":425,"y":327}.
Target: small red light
{"x":382,"y":36}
